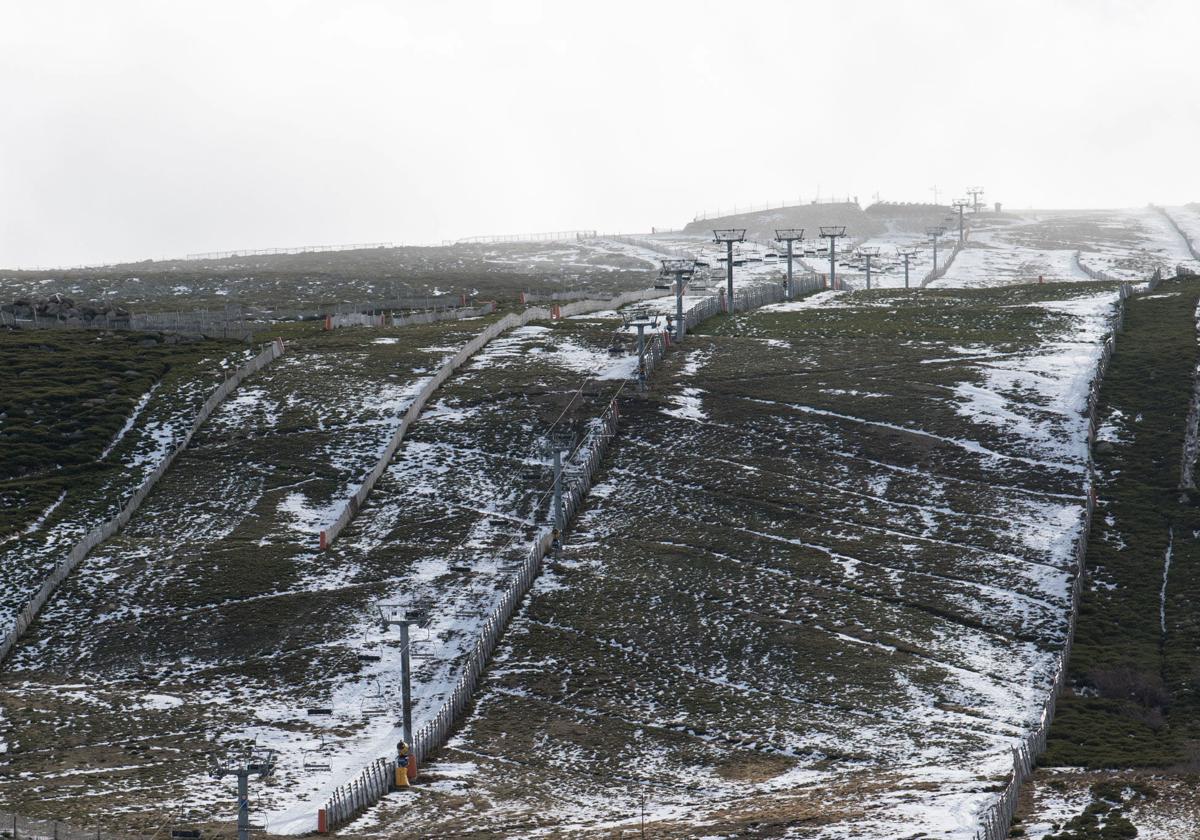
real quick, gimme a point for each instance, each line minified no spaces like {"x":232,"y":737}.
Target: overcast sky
{"x":152,"y":129}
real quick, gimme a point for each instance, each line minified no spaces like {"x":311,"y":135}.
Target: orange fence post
{"x":322,"y":822}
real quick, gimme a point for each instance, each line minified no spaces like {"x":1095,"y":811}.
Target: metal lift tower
{"x":258,"y":762}
{"x":906,"y":254}
{"x":934,"y":233}
{"x":641,"y":319}
{"x":679,"y":269}
{"x":833,"y":233}
{"x":976,"y":193}
{"x":403,"y":617}
{"x":869,"y":254}
{"x":789,"y":235}
{"x":960,"y":204}
{"x":729,"y":236}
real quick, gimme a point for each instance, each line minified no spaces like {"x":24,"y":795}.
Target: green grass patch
{"x":67,"y":393}
{"x":1134,"y":697}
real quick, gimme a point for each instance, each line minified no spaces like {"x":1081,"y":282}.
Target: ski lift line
{"x":514,"y":481}
{"x":573,"y":451}
{"x":732,"y":737}
{"x":575,"y":395}
{"x":514,"y":519}
{"x":548,"y":492}
{"x":579,"y":391}
{"x":229,"y":602}
{"x":508,"y":759}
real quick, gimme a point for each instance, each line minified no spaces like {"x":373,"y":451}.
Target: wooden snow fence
{"x":996,"y":819}
{"x":352,"y":505}
{"x":941,"y":272}
{"x":99,"y":534}
{"x":382,"y":319}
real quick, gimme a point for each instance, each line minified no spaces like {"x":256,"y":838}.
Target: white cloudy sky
{"x":148,"y":129}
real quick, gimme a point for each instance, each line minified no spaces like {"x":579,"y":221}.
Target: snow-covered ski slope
{"x":208,"y":595}
{"x":443,"y":530}
{"x":889,"y":482}
{"x":157,"y":424}
{"x":820,"y":588}
{"x":1129,"y":244}
{"x":1001,"y":249}
{"x":218,"y":606}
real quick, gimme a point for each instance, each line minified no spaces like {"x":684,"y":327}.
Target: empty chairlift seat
{"x":374,"y":701}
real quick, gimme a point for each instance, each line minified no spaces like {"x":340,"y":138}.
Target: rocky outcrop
{"x":62,"y":309}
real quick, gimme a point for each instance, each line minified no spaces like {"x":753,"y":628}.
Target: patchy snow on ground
{"x":1054,"y":379}
{"x":687,"y":405}
{"x":303,"y":516}
{"x":594,"y":363}
{"x":155,"y":427}
{"x":443,"y":467}
{"x":818,"y":300}
{"x":1053,"y":807}
{"x":133,"y":416}
{"x":988,"y":686}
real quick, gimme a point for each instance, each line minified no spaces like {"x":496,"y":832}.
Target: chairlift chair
{"x":532,"y":471}
{"x":262,"y":760}
{"x":374,"y":702}
{"x":314,"y":762}
{"x":422,"y":609}
{"x":316,"y":759}
{"x":366,"y":650}
{"x":461,"y":561}
{"x":416,"y":611}
{"x":635,"y":316}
